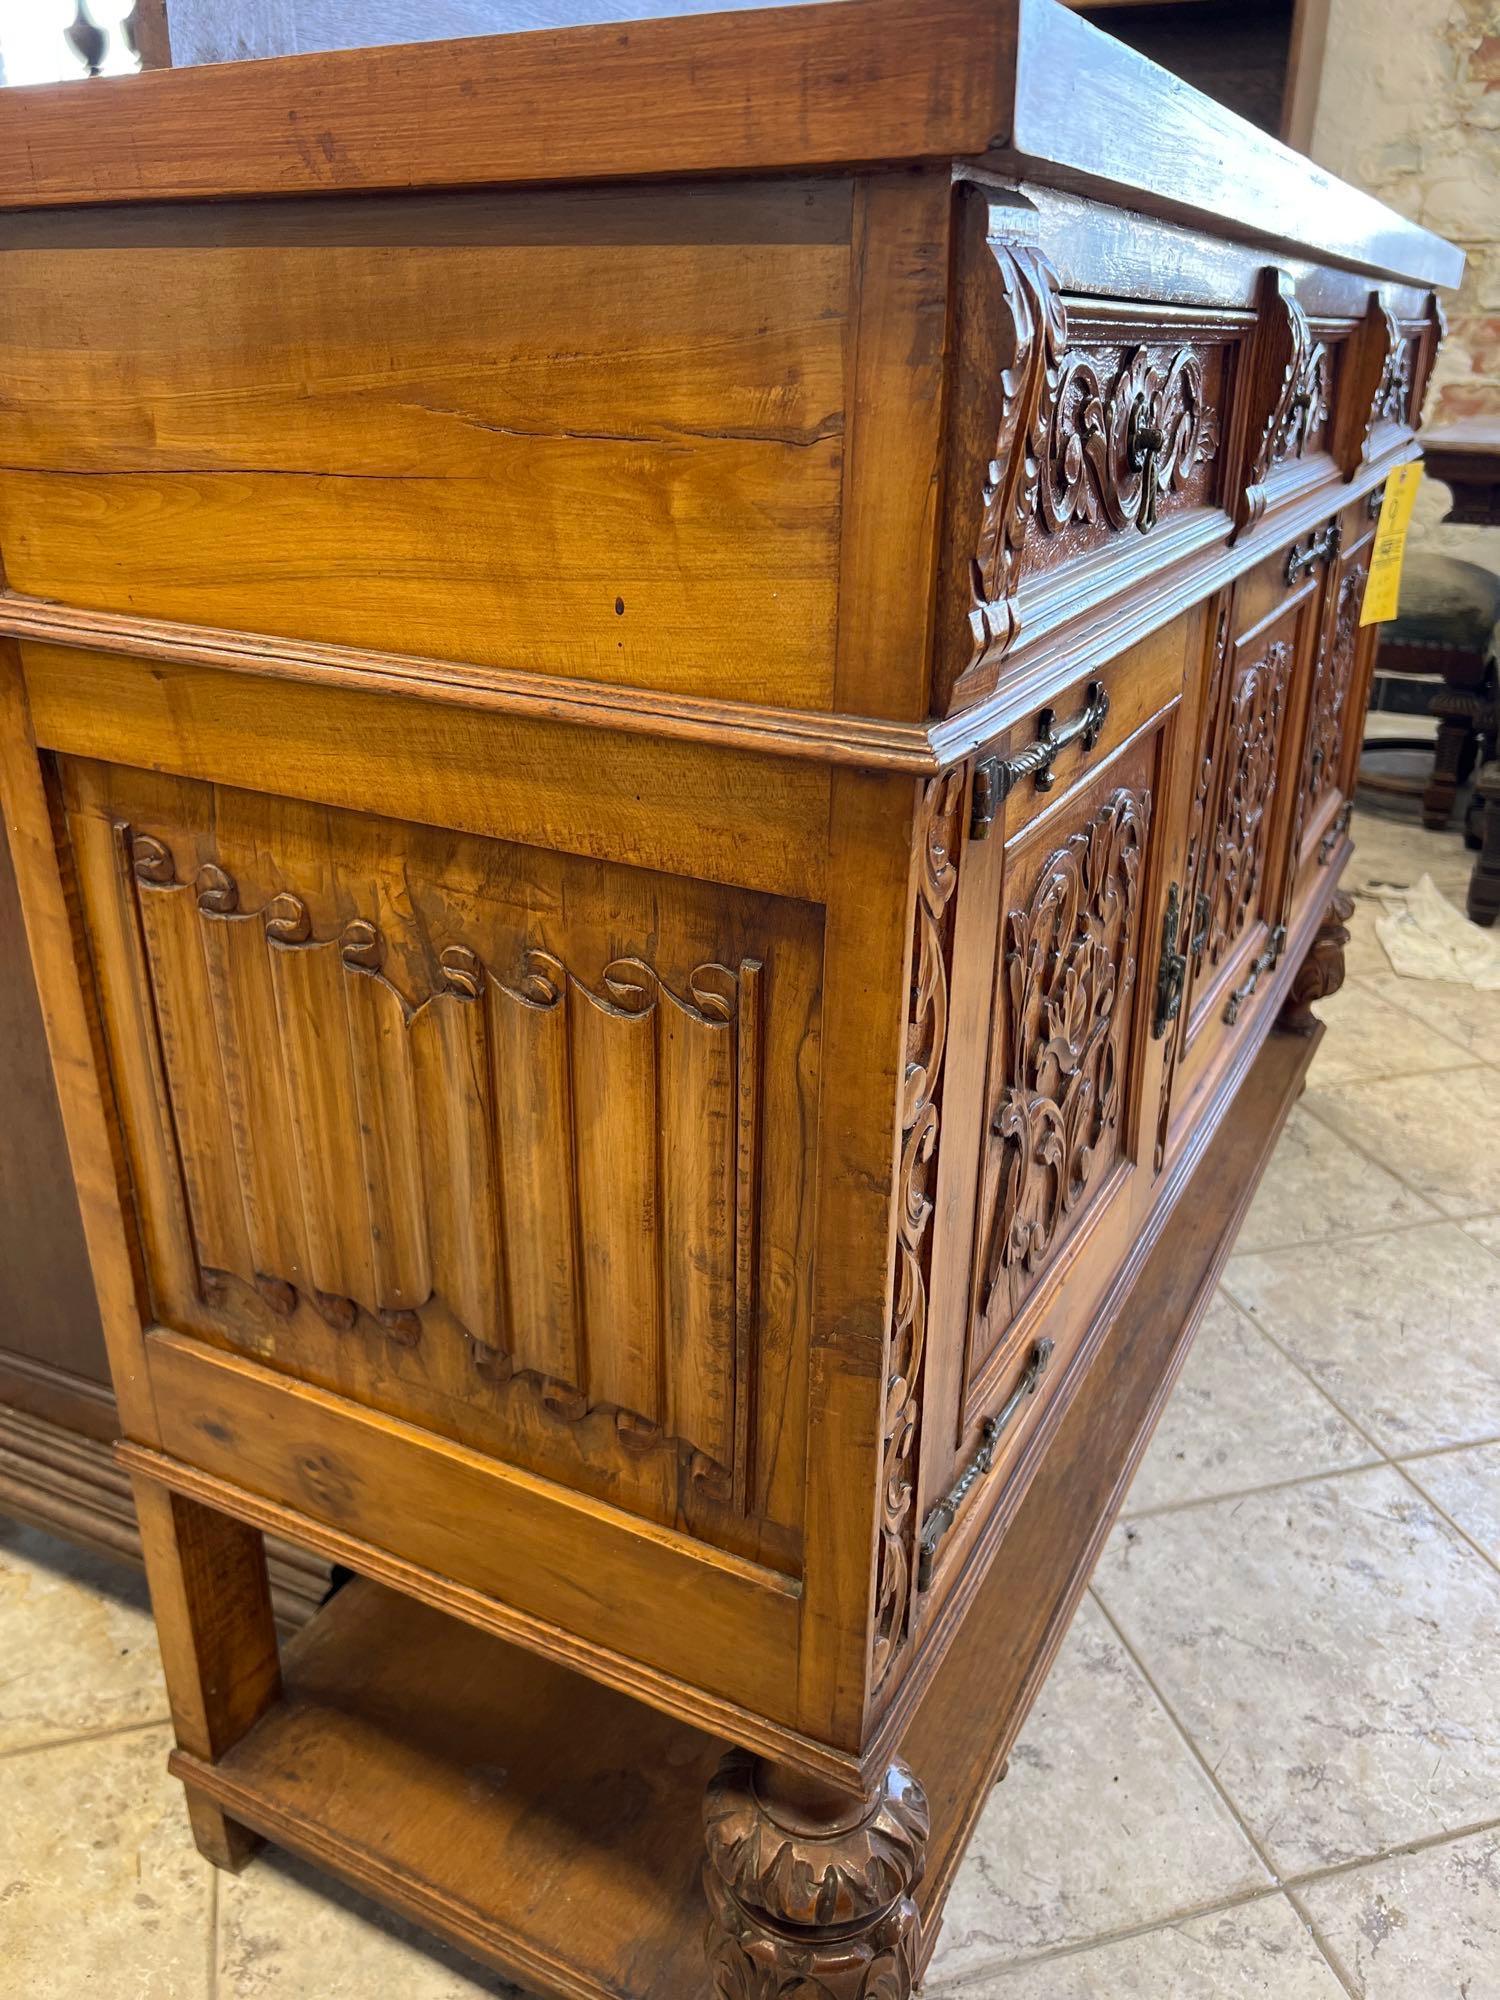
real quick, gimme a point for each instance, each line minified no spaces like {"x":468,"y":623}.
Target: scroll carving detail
{"x":568,"y":1166}
{"x":1070,"y":970}
{"x":1294,"y":374}
{"x":1331,"y":691}
{"x":1082,"y":439}
{"x":1236,"y":861}
{"x":926,"y":1041}
{"x":1114,"y":446}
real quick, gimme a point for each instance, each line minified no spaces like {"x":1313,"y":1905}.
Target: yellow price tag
{"x":1383,"y":590}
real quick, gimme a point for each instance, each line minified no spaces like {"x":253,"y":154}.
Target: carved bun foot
{"x":810,"y":1889}
{"x":1321,"y":973}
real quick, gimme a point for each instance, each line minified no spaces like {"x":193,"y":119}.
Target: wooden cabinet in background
{"x":670,"y":755}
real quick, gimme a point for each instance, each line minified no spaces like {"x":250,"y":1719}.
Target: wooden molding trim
{"x":1034,"y":672}
{"x":54,"y":1478}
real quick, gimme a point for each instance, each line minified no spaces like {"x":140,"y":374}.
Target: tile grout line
{"x":1362,"y":981}
{"x":213,"y":1933}
{"x":84,"y":1736}
{"x":1462,"y":1069}
{"x":1444,"y":1516}
{"x":1352,"y":1235}
{"x":954,"y":1988}
{"x":1238,"y":1493}
{"x":1212,"y":1776}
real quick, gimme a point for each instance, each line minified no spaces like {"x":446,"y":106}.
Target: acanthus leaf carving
{"x":1237,"y":857}
{"x":1070,"y":969}
{"x":375,"y":1155}
{"x":938,"y":832}
{"x":1293,"y":376}
{"x":1081,"y":439}
{"x":1036,"y":323}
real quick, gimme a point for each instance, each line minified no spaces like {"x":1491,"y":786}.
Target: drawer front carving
{"x":1108,"y":422}
{"x":504,"y":1180}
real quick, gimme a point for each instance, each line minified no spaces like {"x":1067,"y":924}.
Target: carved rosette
{"x":926,"y":1040}
{"x":1321,"y":973}
{"x":1070,"y":970}
{"x":810,"y":1906}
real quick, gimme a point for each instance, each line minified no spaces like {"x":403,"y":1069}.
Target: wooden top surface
{"x":1023,"y":86}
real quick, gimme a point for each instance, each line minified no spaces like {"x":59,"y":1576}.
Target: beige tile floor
{"x":1267,"y":1765}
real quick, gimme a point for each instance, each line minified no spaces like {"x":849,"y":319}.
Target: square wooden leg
{"x":212,"y":1602}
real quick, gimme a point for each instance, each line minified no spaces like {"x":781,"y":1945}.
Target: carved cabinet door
{"x":1237,"y":871}
{"x":1329,"y":766}
{"x":1051,"y":1047}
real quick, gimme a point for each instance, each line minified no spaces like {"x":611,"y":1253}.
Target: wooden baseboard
{"x":550,"y":1826}
{"x":57,"y":1478}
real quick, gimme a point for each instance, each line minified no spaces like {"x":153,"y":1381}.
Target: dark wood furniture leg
{"x":1484,"y":884}
{"x":212,"y":1602}
{"x":1453,"y":756}
{"x":1321,"y":973}
{"x":810,"y":1888}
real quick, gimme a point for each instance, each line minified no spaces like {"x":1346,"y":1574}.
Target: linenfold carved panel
{"x":567,"y":1163}
{"x":1056,"y":1109}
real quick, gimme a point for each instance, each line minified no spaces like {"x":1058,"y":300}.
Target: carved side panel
{"x":939,"y":831}
{"x":1237,"y":855}
{"x":1333,"y":687}
{"x":1060,"y":1049}
{"x":567,"y":1163}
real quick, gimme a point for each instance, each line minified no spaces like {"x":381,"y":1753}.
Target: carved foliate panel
{"x":1333,"y":686}
{"x":1072,"y":941}
{"x":1096,"y":435}
{"x":1237,"y":854}
{"x":938,"y":833}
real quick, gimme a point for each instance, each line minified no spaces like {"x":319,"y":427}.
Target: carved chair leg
{"x":809,"y":1888}
{"x":1321,"y":973}
{"x":1452,"y":760}
{"x":212,"y":1605}
{"x":1483,"y":901}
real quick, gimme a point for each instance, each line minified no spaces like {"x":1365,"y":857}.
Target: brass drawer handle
{"x":1171,"y":969}
{"x":995,"y":778}
{"x":1320,"y":548}
{"x":1275,"y":945}
{"x":945,"y":1513}
{"x":1338,"y":826}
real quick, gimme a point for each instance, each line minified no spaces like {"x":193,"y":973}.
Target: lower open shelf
{"x":551,"y":1826}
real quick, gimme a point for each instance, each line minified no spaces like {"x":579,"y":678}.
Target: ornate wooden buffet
{"x":678,"y":712}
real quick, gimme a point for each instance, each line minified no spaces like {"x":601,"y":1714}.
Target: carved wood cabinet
{"x":679,"y":704}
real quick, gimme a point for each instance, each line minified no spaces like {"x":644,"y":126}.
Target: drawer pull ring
{"x":995,"y":778}
{"x":1320,"y":548}
{"x":945,"y":1513}
{"x":1171,"y":971}
{"x":1275,"y":945}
